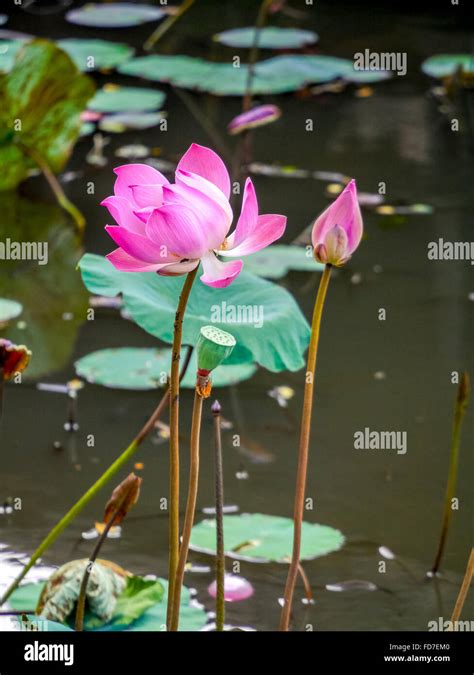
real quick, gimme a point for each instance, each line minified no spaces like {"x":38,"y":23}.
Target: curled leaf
{"x":123,"y":498}
{"x":59,"y":596}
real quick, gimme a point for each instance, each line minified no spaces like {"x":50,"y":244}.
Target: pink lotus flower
{"x":256,"y":117}
{"x":169,"y":228}
{"x":338,"y":230}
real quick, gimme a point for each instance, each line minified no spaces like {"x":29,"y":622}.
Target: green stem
{"x":261,"y":17}
{"x":59,"y":193}
{"x":190,"y":510}
{"x":81,"y":602}
{"x":463,"y":591}
{"x":220,"y":557}
{"x":460,"y":409}
{"x":174,"y":443}
{"x":302,"y":469}
{"x":307,"y":586}
{"x":91,"y":493}
{"x":166,"y":25}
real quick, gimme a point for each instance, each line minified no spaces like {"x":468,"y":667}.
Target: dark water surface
{"x":376,"y":497}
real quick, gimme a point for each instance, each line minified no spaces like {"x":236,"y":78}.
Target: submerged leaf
{"x":42,"y":328}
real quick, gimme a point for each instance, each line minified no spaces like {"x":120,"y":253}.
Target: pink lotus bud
{"x":235,"y":588}
{"x":338,"y":230}
{"x":256,"y":117}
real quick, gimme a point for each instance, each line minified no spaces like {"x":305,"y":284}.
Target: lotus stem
{"x":190,"y":510}
{"x":174,"y":443}
{"x":459,"y":412}
{"x":58,"y":191}
{"x":81,"y":602}
{"x":463,"y":591}
{"x":220,"y":556}
{"x":261,"y":18}
{"x":304,"y":448}
{"x":95,"y":488}
{"x":166,"y":25}
{"x":307,"y":586}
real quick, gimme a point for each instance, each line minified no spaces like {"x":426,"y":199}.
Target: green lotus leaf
{"x":268,"y":38}
{"x":276,"y":75}
{"x":274,"y":262}
{"x":114,"y":15}
{"x":118,"y":123}
{"x":126,"y":99}
{"x":140,"y":369}
{"x":257,"y":537}
{"x":42,"y":99}
{"x":445,"y":65}
{"x":91,"y":55}
{"x":9,"y":309}
{"x":8,"y":51}
{"x":264,"y":318}
{"x":140,"y":607}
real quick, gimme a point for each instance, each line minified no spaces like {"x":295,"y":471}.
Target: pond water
{"x":385,"y":375}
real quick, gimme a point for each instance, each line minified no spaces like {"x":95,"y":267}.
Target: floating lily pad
{"x":268,"y":38}
{"x":120,"y":122}
{"x":257,"y":537}
{"x":9,"y":309}
{"x":153,"y":618}
{"x":249,"y":302}
{"x":445,"y":65}
{"x":114,"y":15}
{"x":277,"y":75}
{"x":276,"y":261}
{"x":126,"y":99}
{"x":138,"y":368}
{"x":89,"y":55}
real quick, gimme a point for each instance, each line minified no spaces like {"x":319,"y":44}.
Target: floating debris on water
{"x":211,"y":511}
{"x":351,"y":585}
{"x":379,"y":375}
{"x":134,"y":151}
{"x":96,"y":156}
{"x":282,"y":394}
{"x":385,"y":552}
